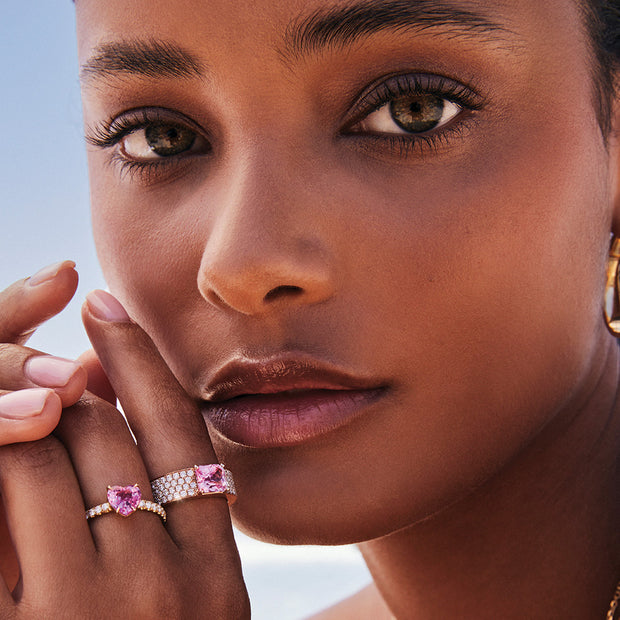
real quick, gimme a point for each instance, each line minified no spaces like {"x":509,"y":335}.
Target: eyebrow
{"x":153,"y":58}
{"x":345,"y":25}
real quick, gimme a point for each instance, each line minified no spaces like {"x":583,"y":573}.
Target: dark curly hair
{"x":602,"y":20}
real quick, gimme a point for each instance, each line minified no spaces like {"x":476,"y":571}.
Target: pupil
{"x":417,"y":113}
{"x":166,"y":139}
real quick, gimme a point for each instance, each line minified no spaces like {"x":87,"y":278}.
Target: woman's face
{"x":404,"y":203}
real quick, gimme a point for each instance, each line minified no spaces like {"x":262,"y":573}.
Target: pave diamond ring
{"x":213,"y":479}
{"x":125,"y":501}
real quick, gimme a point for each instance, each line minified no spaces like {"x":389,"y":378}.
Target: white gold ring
{"x":212,"y":479}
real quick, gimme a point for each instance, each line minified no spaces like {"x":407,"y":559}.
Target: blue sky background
{"x":43,"y":181}
{"x":44,"y":193}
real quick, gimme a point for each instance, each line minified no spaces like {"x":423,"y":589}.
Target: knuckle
{"x":172,"y":400}
{"x":10,"y":352}
{"x":170,"y":586}
{"x":91,"y":415}
{"x":171,"y":416}
{"x":8,"y":321}
{"x":6,"y":349}
{"x":155,"y":592}
{"x":13,"y":357}
{"x":41,"y":455}
{"x":11,"y":310}
{"x":228,"y":595}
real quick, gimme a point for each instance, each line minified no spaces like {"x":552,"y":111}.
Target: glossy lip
{"x":284,"y":401}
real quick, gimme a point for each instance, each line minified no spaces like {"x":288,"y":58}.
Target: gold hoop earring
{"x":611,"y":306}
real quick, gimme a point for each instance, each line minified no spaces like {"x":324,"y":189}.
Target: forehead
{"x":290,"y":26}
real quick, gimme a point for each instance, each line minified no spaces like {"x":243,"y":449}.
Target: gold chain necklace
{"x":614,"y":603}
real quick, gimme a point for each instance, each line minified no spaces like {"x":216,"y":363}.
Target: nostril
{"x":213,"y":298}
{"x":283,"y":291}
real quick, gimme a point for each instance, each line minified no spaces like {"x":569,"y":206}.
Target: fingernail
{"x":106,"y":307}
{"x":49,"y":272}
{"x":23,"y":404}
{"x":49,"y":371}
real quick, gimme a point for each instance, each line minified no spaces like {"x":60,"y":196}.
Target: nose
{"x":265,"y":250}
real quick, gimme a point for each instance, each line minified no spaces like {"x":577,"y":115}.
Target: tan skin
{"x":465,"y":276}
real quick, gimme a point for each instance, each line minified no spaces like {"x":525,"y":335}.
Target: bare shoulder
{"x":366,"y":604}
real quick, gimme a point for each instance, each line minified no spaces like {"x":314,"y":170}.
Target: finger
{"x":9,"y":567}
{"x":29,"y":302}
{"x":136,"y":552}
{"x":104,"y":454}
{"x":98,"y":382}
{"x":28,"y":414}
{"x":21,"y":367}
{"x":168,"y":426}
{"x":45,"y":515}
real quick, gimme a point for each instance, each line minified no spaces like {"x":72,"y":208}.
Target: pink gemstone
{"x":124,"y":500}
{"x":210,"y":479}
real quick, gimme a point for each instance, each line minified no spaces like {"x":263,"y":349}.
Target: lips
{"x":284,"y":401}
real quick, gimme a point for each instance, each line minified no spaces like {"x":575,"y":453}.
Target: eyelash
{"x":109,"y":134}
{"x":402,"y":85}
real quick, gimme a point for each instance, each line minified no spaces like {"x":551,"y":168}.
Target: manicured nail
{"x":48,"y":371}
{"x":106,"y":307}
{"x":24,"y":403}
{"x":50,"y":272}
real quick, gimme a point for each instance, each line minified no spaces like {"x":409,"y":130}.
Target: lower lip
{"x":286,"y":418}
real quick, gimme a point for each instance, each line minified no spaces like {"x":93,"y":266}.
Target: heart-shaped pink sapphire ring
{"x":212,"y":479}
{"x":125,"y":500}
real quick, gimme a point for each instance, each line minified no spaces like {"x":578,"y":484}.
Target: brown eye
{"x":415,"y":113}
{"x":165,"y":139}
{"x":418,"y":113}
{"x":159,"y":140}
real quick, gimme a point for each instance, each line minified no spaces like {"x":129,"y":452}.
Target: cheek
{"x":499,"y":297}
{"x":476,"y":288}
{"x":480,"y":297}
{"x":149,"y":252}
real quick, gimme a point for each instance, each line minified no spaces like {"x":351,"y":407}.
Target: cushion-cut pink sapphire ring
{"x":125,"y":501}
{"x":213,"y":479}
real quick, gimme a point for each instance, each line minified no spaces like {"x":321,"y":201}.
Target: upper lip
{"x":242,"y":376}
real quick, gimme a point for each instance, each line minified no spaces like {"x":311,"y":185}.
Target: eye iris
{"x":417,"y":113}
{"x":166,"y":139}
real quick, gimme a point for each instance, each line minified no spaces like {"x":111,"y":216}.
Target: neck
{"x":539,"y":540}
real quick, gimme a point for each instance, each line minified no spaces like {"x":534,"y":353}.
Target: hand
{"x":45,"y":383}
{"x":54,"y":383}
{"x":135,"y":566}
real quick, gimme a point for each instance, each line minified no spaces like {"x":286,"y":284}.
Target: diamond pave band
{"x":125,"y":500}
{"x":194,"y":481}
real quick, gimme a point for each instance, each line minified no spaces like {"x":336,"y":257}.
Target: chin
{"x":293,"y":531}
{"x":303,"y":514}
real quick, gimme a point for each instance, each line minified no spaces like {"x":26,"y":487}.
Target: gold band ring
{"x":125,"y":500}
